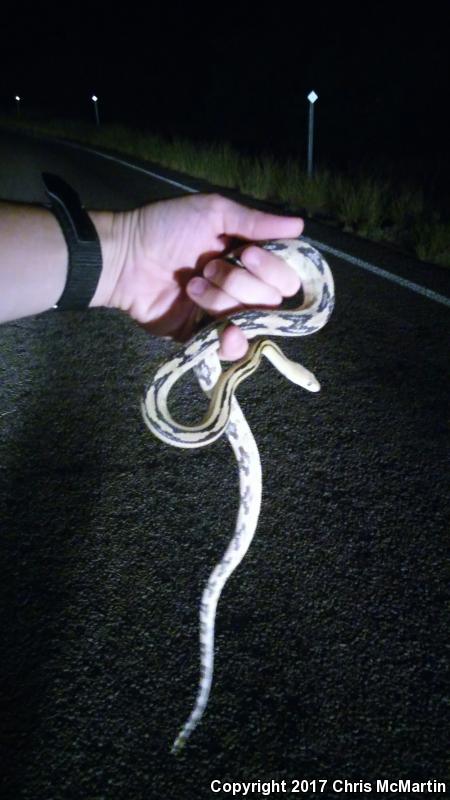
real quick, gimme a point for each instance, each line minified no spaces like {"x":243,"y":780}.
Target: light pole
{"x":18,"y":105}
{"x":312,"y":97}
{"x":95,"y":99}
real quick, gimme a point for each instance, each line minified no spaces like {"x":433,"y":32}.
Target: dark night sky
{"x":382,"y":75}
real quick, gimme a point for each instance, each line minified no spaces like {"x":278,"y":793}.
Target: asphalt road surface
{"x":332,"y":636}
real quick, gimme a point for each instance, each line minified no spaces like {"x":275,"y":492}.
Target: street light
{"x":18,"y":105}
{"x":312,"y":97}
{"x":95,"y":99}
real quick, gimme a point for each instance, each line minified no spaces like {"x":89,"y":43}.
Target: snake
{"x":224,"y":415}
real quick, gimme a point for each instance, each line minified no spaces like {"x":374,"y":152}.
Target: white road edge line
{"x":382,"y":273}
{"x":131,"y":166}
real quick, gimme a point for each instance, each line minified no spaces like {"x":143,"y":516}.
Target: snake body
{"x":224,"y":415}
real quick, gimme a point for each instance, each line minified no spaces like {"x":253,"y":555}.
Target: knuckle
{"x":216,"y":202}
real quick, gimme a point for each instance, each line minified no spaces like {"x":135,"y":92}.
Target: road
{"x":332,"y":644}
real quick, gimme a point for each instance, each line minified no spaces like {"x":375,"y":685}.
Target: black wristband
{"x":85,"y":253}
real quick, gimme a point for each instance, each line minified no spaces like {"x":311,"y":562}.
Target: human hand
{"x":174,"y":249}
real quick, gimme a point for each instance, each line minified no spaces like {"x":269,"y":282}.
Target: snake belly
{"x":224,"y":416}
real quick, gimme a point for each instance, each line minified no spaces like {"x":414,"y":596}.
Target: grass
{"x":373,"y":205}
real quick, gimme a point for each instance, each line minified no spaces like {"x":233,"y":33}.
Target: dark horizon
{"x":382,"y":84}
{"x":427,"y":167}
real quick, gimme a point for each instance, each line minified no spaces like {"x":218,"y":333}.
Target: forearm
{"x":34,"y":258}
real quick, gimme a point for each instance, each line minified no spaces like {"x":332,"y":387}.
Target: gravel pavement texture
{"x":332,"y":647}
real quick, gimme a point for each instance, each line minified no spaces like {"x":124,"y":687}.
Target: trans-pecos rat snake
{"x":225,"y":416}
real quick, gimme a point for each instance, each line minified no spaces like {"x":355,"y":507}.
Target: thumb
{"x":252,"y":224}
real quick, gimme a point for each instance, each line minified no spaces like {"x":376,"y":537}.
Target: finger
{"x":271,"y":269}
{"x":241,"y":284}
{"x":249,"y":223}
{"x":213,"y":300}
{"x":217,"y":301}
{"x":233,"y":344}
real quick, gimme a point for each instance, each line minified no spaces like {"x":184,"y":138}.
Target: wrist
{"x":114,"y":232}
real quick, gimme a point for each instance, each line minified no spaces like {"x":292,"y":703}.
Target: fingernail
{"x":252,"y":257}
{"x":210,"y":270}
{"x":197,"y":286}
